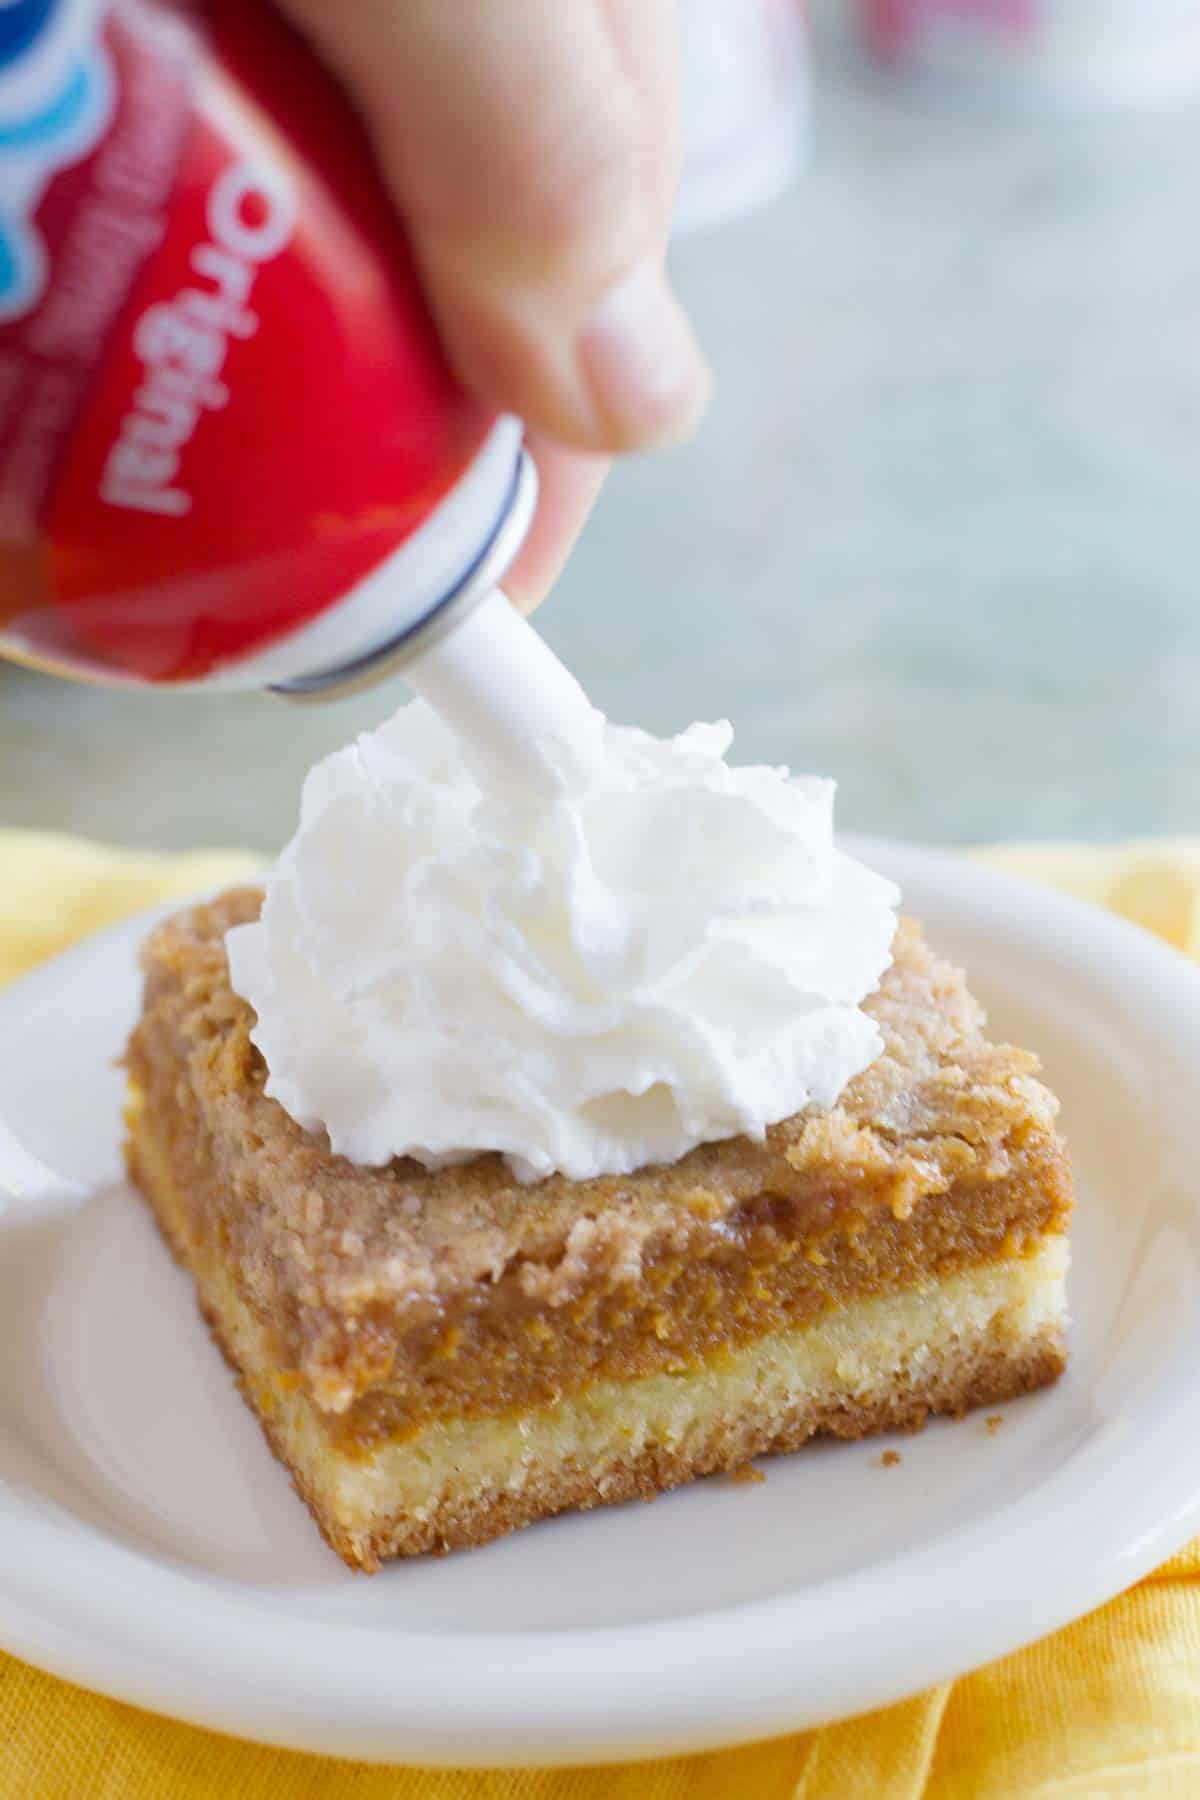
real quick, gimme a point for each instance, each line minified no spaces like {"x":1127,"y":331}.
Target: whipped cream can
{"x":1045,"y":53}
{"x":231,"y":451}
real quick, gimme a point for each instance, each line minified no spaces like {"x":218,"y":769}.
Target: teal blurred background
{"x":939,"y":538}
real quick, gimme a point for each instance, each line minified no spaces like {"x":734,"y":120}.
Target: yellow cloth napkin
{"x":1108,"y":1707}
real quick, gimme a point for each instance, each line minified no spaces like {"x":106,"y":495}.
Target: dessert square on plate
{"x":440,"y":1357}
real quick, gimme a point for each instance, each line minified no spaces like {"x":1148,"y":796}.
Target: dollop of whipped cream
{"x":659,"y":951}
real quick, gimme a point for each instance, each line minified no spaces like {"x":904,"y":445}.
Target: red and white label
{"x":229,"y":404}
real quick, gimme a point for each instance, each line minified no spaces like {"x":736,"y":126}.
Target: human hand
{"x":531,"y":146}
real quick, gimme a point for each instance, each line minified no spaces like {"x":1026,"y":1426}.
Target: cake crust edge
{"x":992,"y":1370}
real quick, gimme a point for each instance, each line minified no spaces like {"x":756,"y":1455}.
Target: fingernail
{"x":639,"y":358}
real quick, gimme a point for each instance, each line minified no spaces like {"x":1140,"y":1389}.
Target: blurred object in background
{"x":1042,"y":53}
{"x":745,"y":106}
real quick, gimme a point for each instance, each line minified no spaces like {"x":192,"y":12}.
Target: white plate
{"x":149,"y":1546}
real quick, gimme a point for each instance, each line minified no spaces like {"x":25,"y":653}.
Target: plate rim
{"x":72,"y":1600}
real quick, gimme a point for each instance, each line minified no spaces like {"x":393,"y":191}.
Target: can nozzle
{"x":519,"y":710}
{"x":481,"y":665}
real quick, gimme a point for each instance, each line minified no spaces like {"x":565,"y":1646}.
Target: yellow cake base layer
{"x":976,"y":1337}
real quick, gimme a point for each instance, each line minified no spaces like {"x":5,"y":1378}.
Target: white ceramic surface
{"x":149,"y":1546}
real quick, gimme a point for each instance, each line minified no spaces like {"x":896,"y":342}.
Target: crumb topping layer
{"x":358,"y":1269}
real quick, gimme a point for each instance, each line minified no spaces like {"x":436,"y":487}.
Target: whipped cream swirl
{"x":660,"y":950}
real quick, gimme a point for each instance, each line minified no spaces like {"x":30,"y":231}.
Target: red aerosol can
{"x":231,"y":452}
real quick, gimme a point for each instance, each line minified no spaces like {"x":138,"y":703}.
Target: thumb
{"x":531,"y":150}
